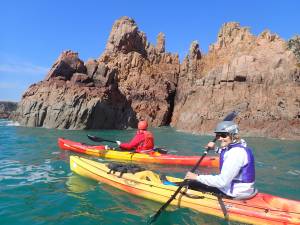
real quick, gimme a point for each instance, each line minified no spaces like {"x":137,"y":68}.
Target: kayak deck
{"x":152,"y":157}
{"x":261,"y":209}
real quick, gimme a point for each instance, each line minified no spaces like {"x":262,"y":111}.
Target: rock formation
{"x":256,"y":75}
{"x":133,"y":80}
{"x":7,"y":108}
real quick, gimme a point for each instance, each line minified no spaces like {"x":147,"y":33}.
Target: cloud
{"x":23,"y":68}
{"x":16,"y":75}
{"x":8,"y":85}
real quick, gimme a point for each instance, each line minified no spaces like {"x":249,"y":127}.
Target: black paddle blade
{"x":154,"y":217}
{"x":230,"y":116}
{"x":94,"y":138}
{"x":98,"y":139}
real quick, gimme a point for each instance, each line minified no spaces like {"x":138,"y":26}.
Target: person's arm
{"x":235,"y":159}
{"x":138,"y":138}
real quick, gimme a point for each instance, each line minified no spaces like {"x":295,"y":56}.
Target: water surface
{"x":37,"y":186}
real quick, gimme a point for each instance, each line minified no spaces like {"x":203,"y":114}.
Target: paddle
{"x":229,"y":117}
{"x":99,"y":139}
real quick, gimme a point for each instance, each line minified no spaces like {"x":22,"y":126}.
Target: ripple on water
{"x":13,"y":173}
{"x":294,"y":172}
{"x":8,"y":123}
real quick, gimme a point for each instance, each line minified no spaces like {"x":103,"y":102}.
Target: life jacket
{"x":148,"y":143}
{"x":247,"y":172}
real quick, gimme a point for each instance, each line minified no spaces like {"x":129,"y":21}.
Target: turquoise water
{"x":37,"y":186}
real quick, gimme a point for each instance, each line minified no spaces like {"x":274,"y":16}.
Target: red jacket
{"x":143,"y":140}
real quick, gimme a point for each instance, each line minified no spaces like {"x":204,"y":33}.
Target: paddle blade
{"x":98,"y":139}
{"x":94,"y":138}
{"x":154,"y":217}
{"x":230,"y":116}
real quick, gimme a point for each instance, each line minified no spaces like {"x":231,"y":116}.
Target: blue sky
{"x":34,"y":32}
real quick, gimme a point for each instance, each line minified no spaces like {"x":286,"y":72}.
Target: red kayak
{"x":151,"y":157}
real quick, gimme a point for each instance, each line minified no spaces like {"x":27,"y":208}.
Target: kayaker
{"x":237,"y":171}
{"x":143,"y":141}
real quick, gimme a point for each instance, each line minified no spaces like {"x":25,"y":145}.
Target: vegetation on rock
{"x":294,"y":46}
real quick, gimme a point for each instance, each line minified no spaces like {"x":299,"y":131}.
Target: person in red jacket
{"x":143,"y":141}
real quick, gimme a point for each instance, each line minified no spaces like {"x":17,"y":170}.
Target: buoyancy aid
{"x":247,"y":172}
{"x":148,"y":143}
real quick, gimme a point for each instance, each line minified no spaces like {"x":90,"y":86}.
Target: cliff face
{"x":132,"y":80}
{"x":135,"y":80}
{"x":7,"y":108}
{"x":255,"y":75}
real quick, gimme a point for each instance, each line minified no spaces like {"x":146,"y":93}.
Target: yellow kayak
{"x":261,"y":209}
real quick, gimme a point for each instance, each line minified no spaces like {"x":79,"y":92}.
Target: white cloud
{"x":23,"y":68}
{"x":16,"y":75}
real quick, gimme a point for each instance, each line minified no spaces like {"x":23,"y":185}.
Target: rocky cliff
{"x":258,"y":76}
{"x":7,"y":108}
{"x":133,"y":80}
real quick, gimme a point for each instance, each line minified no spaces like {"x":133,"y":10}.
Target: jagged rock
{"x":66,"y":65}
{"x":91,"y":67}
{"x":194,"y":53}
{"x":135,"y":80}
{"x":256,"y":74}
{"x":7,"y":108}
{"x":125,"y":37}
{"x":146,"y":75}
{"x":232,"y":34}
{"x":132,"y":80}
{"x":160,"y":43}
{"x":68,"y":106}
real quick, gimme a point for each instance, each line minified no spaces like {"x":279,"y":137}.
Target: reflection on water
{"x":131,"y":209}
{"x":77,"y":184}
{"x":14,"y":173}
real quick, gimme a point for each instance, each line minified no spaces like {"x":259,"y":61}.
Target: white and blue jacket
{"x":237,"y":171}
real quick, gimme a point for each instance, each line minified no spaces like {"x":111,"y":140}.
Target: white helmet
{"x":227,"y":127}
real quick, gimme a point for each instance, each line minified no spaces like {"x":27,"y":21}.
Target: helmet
{"x":142,"y":125}
{"x":227,"y":127}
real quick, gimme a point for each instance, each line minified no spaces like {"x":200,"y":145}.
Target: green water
{"x":37,"y":186}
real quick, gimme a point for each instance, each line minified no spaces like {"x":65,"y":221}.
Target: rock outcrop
{"x":7,"y":108}
{"x":257,"y":75}
{"x":133,"y":80}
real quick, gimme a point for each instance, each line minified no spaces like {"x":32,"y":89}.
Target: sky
{"x":35,"y":32}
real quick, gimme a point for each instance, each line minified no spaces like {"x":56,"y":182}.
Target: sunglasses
{"x":222,"y":135}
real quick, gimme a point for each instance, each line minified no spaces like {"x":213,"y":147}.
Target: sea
{"x":38,"y":188}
